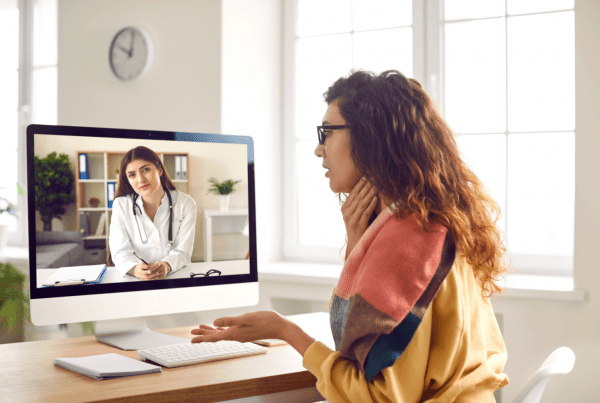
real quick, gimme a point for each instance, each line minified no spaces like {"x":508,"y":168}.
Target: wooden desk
{"x":28,"y":375}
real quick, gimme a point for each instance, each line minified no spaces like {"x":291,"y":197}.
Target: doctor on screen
{"x":151,"y":220}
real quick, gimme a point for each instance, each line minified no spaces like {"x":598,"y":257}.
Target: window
{"x":28,"y":94}
{"x":502,"y":73}
{"x":330,"y":38}
{"x":509,"y":93}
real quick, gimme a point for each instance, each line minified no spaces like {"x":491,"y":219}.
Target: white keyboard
{"x":177,"y":355}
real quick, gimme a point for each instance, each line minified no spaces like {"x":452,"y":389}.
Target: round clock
{"x":130,"y":54}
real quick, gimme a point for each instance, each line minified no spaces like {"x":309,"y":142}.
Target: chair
{"x":561,"y":361}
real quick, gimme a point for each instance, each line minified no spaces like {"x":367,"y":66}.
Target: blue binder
{"x":110,"y":189}
{"x":84,"y":168}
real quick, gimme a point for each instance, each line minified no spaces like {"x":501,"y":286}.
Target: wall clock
{"x":130,"y":53}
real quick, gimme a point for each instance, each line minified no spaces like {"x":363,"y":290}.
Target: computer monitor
{"x":76,"y":221}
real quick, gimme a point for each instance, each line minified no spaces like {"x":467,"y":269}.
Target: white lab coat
{"x":125,"y":237}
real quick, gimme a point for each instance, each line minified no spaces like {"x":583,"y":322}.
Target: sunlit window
{"x":509,"y":74}
{"x":503,"y":73}
{"x":28,"y":93}
{"x":331,"y":38}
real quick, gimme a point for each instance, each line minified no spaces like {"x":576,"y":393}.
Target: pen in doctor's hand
{"x":136,"y":255}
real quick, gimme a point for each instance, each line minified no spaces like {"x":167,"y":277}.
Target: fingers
{"x":369,"y":210}
{"x":154,"y":271}
{"x":227,"y":321}
{"x":355,"y":206}
{"x":213,"y":335}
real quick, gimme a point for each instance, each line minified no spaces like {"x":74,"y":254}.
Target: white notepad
{"x":106,"y":366}
{"x":75,"y":275}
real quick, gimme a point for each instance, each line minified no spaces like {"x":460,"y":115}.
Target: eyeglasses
{"x":209,"y":273}
{"x":322,"y":129}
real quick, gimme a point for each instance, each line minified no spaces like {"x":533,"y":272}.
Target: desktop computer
{"x":89,"y":187}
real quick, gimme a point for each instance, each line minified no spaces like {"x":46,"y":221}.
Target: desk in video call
{"x":229,"y":267}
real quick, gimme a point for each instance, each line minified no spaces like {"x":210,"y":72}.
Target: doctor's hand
{"x":155,"y":271}
{"x":247,"y":327}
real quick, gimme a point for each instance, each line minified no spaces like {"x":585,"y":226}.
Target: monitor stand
{"x":132,"y":334}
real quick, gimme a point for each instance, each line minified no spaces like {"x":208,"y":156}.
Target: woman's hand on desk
{"x":254,"y":326}
{"x":247,"y":327}
{"x":155,"y":271}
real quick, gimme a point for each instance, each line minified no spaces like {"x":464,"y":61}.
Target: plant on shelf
{"x":94,"y":201}
{"x":223,"y":189}
{"x":54,"y":182}
{"x":14,"y":303}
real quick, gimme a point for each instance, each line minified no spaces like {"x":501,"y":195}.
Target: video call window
{"x":147,"y":209}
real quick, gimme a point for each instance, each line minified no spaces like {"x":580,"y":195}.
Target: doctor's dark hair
{"x":146,"y":154}
{"x":400,"y":142}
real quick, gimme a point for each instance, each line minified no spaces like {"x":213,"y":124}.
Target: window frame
{"x":20,"y":238}
{"x":292,"y":250}
{"x":24,"y":108}
{"x":428,"y":69}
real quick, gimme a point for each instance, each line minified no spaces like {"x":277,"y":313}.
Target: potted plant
{"x":223,"y":189}
{"x":14,"y":304}
{"x":54,"y":182}
{"x":5,"y":208}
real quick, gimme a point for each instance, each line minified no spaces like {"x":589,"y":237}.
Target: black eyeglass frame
{"x":321,"y":129}
{"x":207,"y":274}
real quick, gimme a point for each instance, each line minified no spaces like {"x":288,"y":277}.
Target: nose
{"x":319,"y":150}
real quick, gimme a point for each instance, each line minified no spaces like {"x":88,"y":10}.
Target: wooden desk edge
{"x":281,"y":373}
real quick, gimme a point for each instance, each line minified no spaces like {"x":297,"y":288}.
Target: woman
{"x":410,"y":315}
{"x":153,"y":225}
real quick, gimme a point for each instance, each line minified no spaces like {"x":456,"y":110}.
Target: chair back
{"x":561,"y":361}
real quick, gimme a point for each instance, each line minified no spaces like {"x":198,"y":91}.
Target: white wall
{"x":182,"y":89}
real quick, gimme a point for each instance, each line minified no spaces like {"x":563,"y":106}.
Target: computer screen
{"x":116,"y":197}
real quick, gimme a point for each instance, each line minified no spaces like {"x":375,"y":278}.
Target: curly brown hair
{"x":402,"y":145}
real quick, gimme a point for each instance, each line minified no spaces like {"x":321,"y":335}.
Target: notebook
{"x":106,"y":366}
{"x":91,"y":274}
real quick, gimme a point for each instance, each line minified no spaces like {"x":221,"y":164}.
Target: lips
{"x":144,"y":187}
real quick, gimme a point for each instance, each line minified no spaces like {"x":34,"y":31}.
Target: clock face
{"x":129,"y":54}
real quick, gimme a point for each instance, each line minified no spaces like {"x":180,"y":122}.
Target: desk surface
{"x":28,"y":375}
{"x":228,"y":267}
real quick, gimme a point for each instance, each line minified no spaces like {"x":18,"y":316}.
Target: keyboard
{"x":177,"y":355}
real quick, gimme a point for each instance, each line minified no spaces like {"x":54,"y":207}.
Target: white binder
{"x":177,"y":167}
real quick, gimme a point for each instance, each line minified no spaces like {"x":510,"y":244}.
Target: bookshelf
{"x":102,"y":170}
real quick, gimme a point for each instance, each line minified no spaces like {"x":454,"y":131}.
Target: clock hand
{"x":131,"y":43}
{"x":125,"y":50}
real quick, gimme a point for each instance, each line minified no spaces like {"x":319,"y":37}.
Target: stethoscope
{"x":145,"y":236}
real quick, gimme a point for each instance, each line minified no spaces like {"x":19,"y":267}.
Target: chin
{"x":339,"y":188}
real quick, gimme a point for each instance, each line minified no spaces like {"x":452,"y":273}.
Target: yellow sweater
{"x":456,"y":355}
